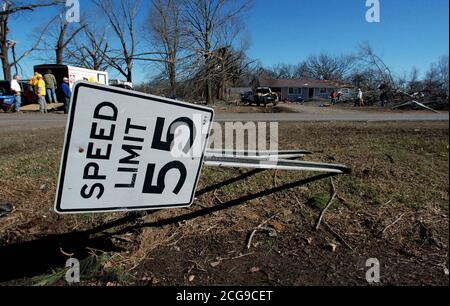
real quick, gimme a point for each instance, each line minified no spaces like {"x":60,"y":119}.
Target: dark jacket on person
{"x":65,"y":88}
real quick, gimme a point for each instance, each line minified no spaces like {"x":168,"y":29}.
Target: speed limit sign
{"x":126,"y":150}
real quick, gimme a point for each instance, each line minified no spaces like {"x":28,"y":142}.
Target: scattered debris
{"x":416,"y":104}
{"x":272,"y":232}
{"x":191,"y":278}
{"x":392,"y":224}
{"x":338,"y":236}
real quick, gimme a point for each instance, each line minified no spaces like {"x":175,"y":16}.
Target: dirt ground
{"x":393,"y":207}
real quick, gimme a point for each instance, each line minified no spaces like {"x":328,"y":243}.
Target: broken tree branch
{"x":338,"y":236}
{"x":259,"y":228}
{"x":392,"y":224}
{"x":322,"y":214}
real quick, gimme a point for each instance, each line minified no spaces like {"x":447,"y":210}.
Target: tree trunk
{"x":6,"y":68}
{"x":5,"y":61}
{"x":129,"y":75}
{"x":4,"y":50}
{"x":59,"y":56}
{"x":208,"y":92}
{"x":172,"y":77}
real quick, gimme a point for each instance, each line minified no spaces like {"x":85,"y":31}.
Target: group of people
{"x":359,"y":99}
{"x":45,"y":89}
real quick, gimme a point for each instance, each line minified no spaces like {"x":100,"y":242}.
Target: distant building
{"x":290,"y":90}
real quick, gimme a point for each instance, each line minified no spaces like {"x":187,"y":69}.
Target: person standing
{"x":17,"y":90}
{"x":41,"y":92}
{"x":359,"y":98}
{"x":67,"y":93}
{"x":333,"y":97}
{"x":51,"y":85}
{"x":33,"y":82}
{"x":384,"y":98}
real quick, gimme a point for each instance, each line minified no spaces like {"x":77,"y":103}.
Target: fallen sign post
{"x":124,"y":151}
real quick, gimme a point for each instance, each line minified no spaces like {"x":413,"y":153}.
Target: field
{"x":246,"y":227}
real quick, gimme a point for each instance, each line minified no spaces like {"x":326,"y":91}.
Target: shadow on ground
{"x":37,"y":257}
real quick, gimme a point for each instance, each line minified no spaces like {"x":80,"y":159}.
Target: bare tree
{"x":414,"y":83}
{"x":60,"y":35}
{"x":88,"y":49}
{"x":166,"y":33}
{"x":372,"y":61}
{"x":121,"y":16}
{"x":65,"y":37}
{"x":437,"y":77}
{"x":205,"y":21}
{"x":327,"y":67}
{"x":7,"y":10}
{"x":302,"y":71}
{"x":284,"y":71}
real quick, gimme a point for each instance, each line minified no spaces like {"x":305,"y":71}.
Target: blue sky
{"x":411,"y":32}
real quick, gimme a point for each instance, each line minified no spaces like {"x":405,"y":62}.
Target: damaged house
{"x":291,"y":89}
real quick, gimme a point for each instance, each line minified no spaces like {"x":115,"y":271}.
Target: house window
{"x":323,"y":90}
{"x":291,"y":91}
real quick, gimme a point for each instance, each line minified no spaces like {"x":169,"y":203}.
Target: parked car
{"x":246,"y":96}
{"x":121,"y":84}
{"x":124,"y":86}
{"x":6,"y":96}
{"x":264,"y":96}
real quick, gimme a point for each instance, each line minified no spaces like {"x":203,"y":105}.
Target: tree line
{"x":367,"y":70}
{"x":198,"y":48}
{"x":196,"y":41}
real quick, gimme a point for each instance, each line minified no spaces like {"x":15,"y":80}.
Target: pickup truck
{"x":6,"y":96}
{"x":264,"y":96}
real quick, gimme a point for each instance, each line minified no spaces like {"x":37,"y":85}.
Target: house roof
{"x":298,"y":83}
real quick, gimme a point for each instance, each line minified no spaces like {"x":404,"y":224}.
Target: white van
{"x":74,"y":74}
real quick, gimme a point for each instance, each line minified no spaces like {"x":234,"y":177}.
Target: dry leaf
{"x":276,"y":225}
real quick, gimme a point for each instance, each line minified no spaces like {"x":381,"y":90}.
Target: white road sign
{"x":125,"y":150}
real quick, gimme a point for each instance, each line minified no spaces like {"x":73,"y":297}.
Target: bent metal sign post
{"x":130,"y":151}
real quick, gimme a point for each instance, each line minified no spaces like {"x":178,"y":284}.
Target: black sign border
{"x":68,"y":138}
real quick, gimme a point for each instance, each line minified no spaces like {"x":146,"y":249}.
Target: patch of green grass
{"x":321,"y":201}
{"x":306,"y":214}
